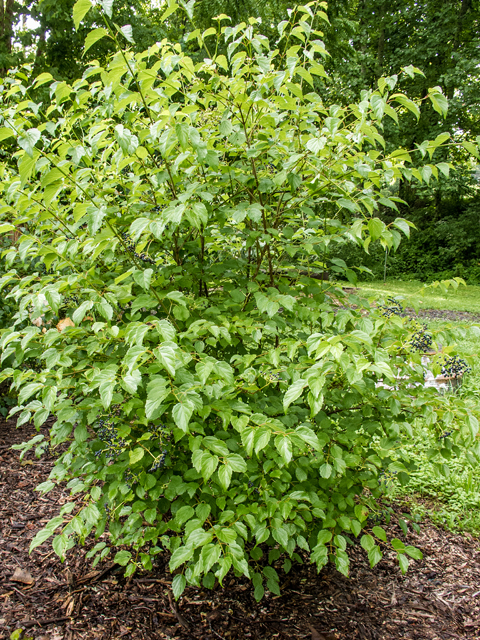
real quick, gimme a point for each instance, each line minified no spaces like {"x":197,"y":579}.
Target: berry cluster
{"x":125,"y":307}
{"x":130,"y":478}
{"x":159,"y":431}
{"x":250,"y":484}
{"x":386,"y":477}
{"x":445,"y":435}
{"x":130,"y":247}
{"x":31,"y":364}
{"x":455,"y":366}
{"x":159,"y":461}
{"x":395,"y":308}
{"x":48,"y":272}
{"x":421,"y":340}
{"x":108,"y":433}
{"x":275,"y":376}
{"x":70,"y":300}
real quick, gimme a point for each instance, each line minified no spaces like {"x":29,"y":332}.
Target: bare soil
{"x":439,"y":598}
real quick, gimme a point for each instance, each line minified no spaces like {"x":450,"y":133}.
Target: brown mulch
{"x":439,"y":598}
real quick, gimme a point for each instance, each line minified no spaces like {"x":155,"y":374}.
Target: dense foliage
{"x":366,"y":40}
{"x":213,"y":394}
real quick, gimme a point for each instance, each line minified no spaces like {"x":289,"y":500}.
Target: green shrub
{"x":216,"y":400}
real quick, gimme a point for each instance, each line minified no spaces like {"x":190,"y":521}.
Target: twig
{"x":32,"y":623}
{"x":178,"y":615}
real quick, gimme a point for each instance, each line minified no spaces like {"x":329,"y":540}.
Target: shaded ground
{"x":438,"y":599}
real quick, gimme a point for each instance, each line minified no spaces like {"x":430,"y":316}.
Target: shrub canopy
{"x":217,"y":396}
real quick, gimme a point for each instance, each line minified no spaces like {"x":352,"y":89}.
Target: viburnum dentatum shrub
{"x":211,"y":396}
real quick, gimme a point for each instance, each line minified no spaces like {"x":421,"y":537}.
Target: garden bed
{"x":439,"y":598}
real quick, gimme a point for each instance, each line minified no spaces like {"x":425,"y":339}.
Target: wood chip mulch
{"x":439,"y":598}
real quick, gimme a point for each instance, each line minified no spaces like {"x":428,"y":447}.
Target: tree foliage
{"x":216,"y":399}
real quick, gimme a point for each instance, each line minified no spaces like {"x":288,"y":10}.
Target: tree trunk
{"x":381,"y":42}
{"x":6,"y":31}
{"x":466,"y":5}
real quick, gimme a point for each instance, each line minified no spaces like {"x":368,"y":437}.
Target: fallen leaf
{"x":23,"y":576}
{"x":63,"y":324}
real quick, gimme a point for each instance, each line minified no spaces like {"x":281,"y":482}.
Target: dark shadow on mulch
{"x":439,"y":598}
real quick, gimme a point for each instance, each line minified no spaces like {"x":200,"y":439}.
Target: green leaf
{"x":367,"y":542}
{"x":93,"y":37}
{"x":471,"y":148}
{"x":379,"y":533}
{"x":293,"y":392}
{"x":136,"y":455}
{"x":5,"y":133}
{"x":28,"y":140}
{"x":309,"y":436}
{"x":376,"y":228}
{"x":80,"y":10}
{"x":237,"y":463}
{"x":374,"y":555}
{"x":166,"y":355}
{"x":6,"y":227}
{"x":79,"y":314}
{"x":406,"y":102}
{"x":414,"y":553}
{"x":225,"y":475}
{"x":283,"y":445}
{"x":473,"y":425}
{"x":180,"y":556}
{"x":181,"y":413}
{"x":184,"y":513}
{"x":209,"y":465}
{"x":143,"y":278}
{"x":122,"y":557}
{"x":178,"y":585}
{"x":439,"y":102}
{"x":403,"y":562}
{"x":108,"y":7}
{"x":40,"y":538}
{"x":127,"y":32}
{"x":258,"y":592}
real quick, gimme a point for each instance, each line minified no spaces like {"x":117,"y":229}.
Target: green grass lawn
{"x":463,"y":299}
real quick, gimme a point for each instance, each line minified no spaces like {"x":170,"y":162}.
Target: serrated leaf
{"x":225,"y":475}
{"x":403,"y":562}
{"x":166,"y":355}
{"x":80,"y":10}
{"x":439,"y":103}
{"x":283,"y":445}
{"x":127,"y":32}
{"x":414,"y":553}
{"x":40,"y":538}
{"x":93,"y":37}
{"x":136,"y":455}
{"x":179,"y":556}
{"x":28,"y":140}
{"x":178,"y":585}
{"x":181,"y":413}
{"x":293,"y":392}
{"x":108,"y":7}
{"x":379,"y":533}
